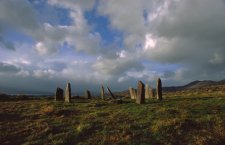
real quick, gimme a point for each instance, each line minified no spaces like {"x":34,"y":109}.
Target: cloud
{"x":188,"y":33}
{"x":83,"y":4}
{"x":218,"y":58}
{"x":49,"y":73}
{"x":8,"y":68}
{"x":78,"y":35}
{"x":18,"y":14}
{"x":49,"y":38}
{"x":177,"y":40}
{"x":126,"y":16}
{"x":117,"y":65}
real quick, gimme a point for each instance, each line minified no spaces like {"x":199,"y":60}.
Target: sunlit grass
{"x":176,"y":120}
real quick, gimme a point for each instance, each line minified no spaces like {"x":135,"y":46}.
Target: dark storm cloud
{"x":192,"y":33}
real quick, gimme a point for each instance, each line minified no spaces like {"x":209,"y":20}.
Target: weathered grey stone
{"x":159,"y":89}
{"x":151,"y":92}
{"x":87,"y":94}
{"x":68,"y":93}
{"x":111,"y":94}
{"x":147,"y":92}
{"x":116,"y":101}
{"x":133,"y":93}
{"x":140,"y":93}
{"x":59,"y":94}
{"x":102,"y":92}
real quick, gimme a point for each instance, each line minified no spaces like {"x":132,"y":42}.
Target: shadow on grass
{"x":10,"y":117}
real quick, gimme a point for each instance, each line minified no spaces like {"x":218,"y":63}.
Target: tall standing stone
{"x":102,"y":92}
{"x":68,"y":93}
{"x":132,"y":93}
{"x":59,"y":94}
{"x":147,"y":92}
{"x":159,"y":89}
{"x":140,"y":93}
{"x":88,"y":94}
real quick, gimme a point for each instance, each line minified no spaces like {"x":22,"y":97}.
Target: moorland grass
{"x":175,"y":120}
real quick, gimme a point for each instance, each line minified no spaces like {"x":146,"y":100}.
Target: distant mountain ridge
{"x":194,"y":85}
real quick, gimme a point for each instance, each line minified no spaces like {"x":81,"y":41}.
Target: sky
{"x":46,"y":43}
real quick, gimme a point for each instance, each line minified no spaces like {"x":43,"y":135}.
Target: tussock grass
{"x":176,"y":120}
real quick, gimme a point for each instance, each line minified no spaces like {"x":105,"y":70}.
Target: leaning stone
{"x":59,"y":94}
{"x":111,"y":94}
{"x":140,"y":93}
{"x":88,"y":94}
{"x":159,"y":89}
{"x":68,"y":93}
{"x":102,"y":92}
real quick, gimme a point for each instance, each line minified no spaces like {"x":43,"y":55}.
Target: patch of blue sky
{"x":16,"y":36}
{"x":51,"y":14}
{"x":145,"y":16}
{"x":101,"y":24}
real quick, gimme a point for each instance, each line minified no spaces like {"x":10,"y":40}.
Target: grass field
{"x":176,"y":120}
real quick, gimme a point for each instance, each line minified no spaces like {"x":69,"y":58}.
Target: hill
{"x":195,"y":84}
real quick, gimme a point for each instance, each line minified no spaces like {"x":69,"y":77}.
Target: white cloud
{"x":189,"y":34}
{"x":41,"y":48}
{"x":77,"y":35}
{"x":150,"y":42}
{"x":23,"y":73}
{"x":122,"y":54}
{"x":48,"y":73}
{"x":117,"y":65}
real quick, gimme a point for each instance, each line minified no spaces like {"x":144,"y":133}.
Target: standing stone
{"x":135,"y":93}
{"x":102,"y":92}
{"x":132,"y":93}
{"x":111,"y":94}
{"x":59,"y":94}
{"x":88,"y":94}
{"x":159,"y":89}
{"x":140,"y":93}
{"x":151,"y":92}
{"x":68,"y":93}
{"x":131,"y":90}
{"x":147,"y":92}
